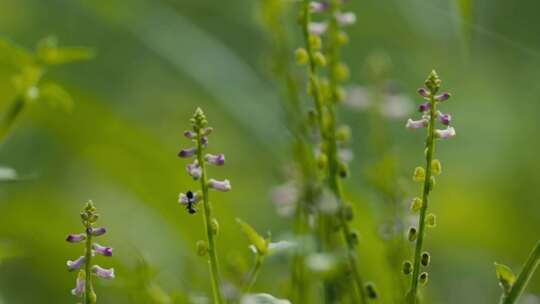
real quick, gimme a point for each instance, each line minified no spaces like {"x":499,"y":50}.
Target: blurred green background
{"x":158,"y":60}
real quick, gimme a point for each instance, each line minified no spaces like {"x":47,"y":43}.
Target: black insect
{"x":191,"y":202}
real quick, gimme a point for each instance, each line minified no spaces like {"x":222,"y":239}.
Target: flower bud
{"x":371,"y":292}
{"x":317,"y":28}
{"x":190,"y":134}
{"x":97,"y":231}
{"x":424,"y":107}
{"x":412,"y":235}
{"x":432,"y":183}
{"x":343,"y":170}
{"x":436,"y":166}
{"x":443,"y":97}
{"x":347,"y":212}
{"x":431,"y":220}
{"x":433,"y":82}
{"x":318,"y":7}
{"x":425,"y":259}
{"x":423,"y":278}
{"x":341,"y":72}
{"x":346,"y":19}
{"x":222,"y":186}
{"x":354,"y":237}
{"x":424,"y":93}
{"x":185,"y":153}
{"x":416,"y":204}
{"x":78,"y":291}
{"x":407,"y":267}
{"x":342,"y":38}
{"x":301,"y":56}
{"x":76,"y":238}
{"x":445,"y":119}
{"x":215,"y":226}
{"x":319,"y":58}
{"x":419,"y":174}
{"x":202,"y":248}
{"x":343,"y":134}
{"x":315,"y":42}
{"x":322,"y":160}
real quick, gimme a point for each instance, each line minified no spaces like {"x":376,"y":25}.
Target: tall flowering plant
{"x":190,"y":199}
{"x":426,"y":175}
{"x":84,"y":287}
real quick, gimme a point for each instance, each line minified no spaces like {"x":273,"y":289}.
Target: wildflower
{"x":89,"y":217}
{"x":190,"y":134}
{"x":317,"y":28}
{"x":194,"y":170}
{"x":189,"y":199}
{"x":73,"y":265}
{"x":417,"y":124}
{"x":218,"y":160}
{"x":318,"y":7}
{"x":444,"y":118}
{"x":346,"y":19}
{"x":185,"y":153}
{"x":443,"y":97}
{"x":424,"y":93}
{"x":446,"y":133}
{"x":103,"y":273}
{"x":285,"y":197}
{"x":424,"y":107}
{"x":222,"y":186}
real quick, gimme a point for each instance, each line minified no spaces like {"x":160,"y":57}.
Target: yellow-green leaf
{"x":257,"y":240}
{"x":50,"y":53}
{"x":506,"y":277}
{"x":55,"y":95}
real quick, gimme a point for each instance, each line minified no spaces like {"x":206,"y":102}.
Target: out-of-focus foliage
{"x":157,"y":60}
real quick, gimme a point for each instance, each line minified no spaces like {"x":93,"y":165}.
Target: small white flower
{"x":446,"y":133}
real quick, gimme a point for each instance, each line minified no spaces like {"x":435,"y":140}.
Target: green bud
{"x":371,"y":292}
{"x":341,"y":94}
{"x":347,"y":212}
{"x":322,"y":160}
{"x":202,"y":248}
{"x":301,"y":56}
{"x":319,"y":58}
{"x":425,"y":259}
{"x":215,"y":226}
{"x":315,"y":42}
{"x":423,"y":278}
{"x":341,"y":72}
{"x":419,"y":174}
{"x":431,"y":220}
{"x":416,"y":204}
{"x":433,"y":82}
{"x":407,"y":268}
{"x":354,"y":237}
{"x":436,"y":166}
{"x":342,"y":38}
{"x":412,"y":235}
{"x":343,"y":133}
{"x":432,"y":183}
{"x":343,"y":170}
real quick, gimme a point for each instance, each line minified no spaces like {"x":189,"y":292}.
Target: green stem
{"x":523,"y":279}
{"x":213,"y":261}
{"x":89,"y":295}
{"x":10,"y":117}
{"x":430,"y":145}
{"x":254,"y":273}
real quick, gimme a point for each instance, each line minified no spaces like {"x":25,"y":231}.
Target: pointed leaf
{"x":50,"y":53}
{"x":257,"y":240}
{"x":10,"y":53}
{"x":506,"y":277}
{"x":55,"y":95}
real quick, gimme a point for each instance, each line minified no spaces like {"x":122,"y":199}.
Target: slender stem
{"x":254,"y":273}
{"x":333,"y":161}
{"x":89,"y":295}
{"x":10,"y":117}
{"x":430,"y":146}
{"x":213,"y":261}
{"x":523,"y":279}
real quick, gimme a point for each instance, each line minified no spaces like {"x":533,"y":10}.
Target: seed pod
{"x":419,"y":174}
{"x":315,"y":42}
{"x":425,"y":259}
{"x":202,"y":248}
{"x":412,"y":234}
{"x":407,"y":267}
{"x":347,"y":212}
{"x":431,"y":220}
{"x":319,"y":58}
{"x":436,"y":166}
{"x":215,"y":226}
{"x":416,"y":204}
{"x":423,"y":278}
{"x":371,"y":292}
{"x":322,"y":160}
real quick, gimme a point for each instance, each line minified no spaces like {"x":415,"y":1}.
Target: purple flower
{"x":416,"y":124}
{"x":190,"y":134}
{"x":317,"y":28}
{"x":79,"y":287}
{"x":207,"y":131}
{"x":442,"y":97}
{"x":222,"y":186}
{"x":445,"y":134}
{"x":184,"y":153}
{"x":423,"y":92}
{"x":345,"y":19}
{"x":104,"y":251}
{"x":103,"y":273}
{"x":97,"y":231}
{"x":194,"y":170}
{"x":318,"y":7}
{"x":72,"y":265}
{"x":444,"y":118}
{"x":218,"y":160}
{"x":76,"y":238}
{"x":424,"y":107}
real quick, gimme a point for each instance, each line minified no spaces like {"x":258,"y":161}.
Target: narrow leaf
{"x":506,"y":277}
{"x":257,"y":240}
{"x":50,"y":53}
{"x":55,"y":95}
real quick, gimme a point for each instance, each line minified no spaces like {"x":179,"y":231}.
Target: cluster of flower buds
{"x":430,"y":94}
{"x":89,"y":217}
{"x":196,"y":169}
{"x":319,"y":28}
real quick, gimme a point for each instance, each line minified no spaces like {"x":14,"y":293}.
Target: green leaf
{"x":50,"y":53}
{"x":55,"y":95}
{"x":257,"y":240}
{"x":506,"y":277}
{"x":10,"y":53}
{"x":26,"y":81}
{"x":262,"y":298}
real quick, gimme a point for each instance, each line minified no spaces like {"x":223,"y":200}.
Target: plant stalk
{"x":89,"y":295}
{"x":523,"y":279}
